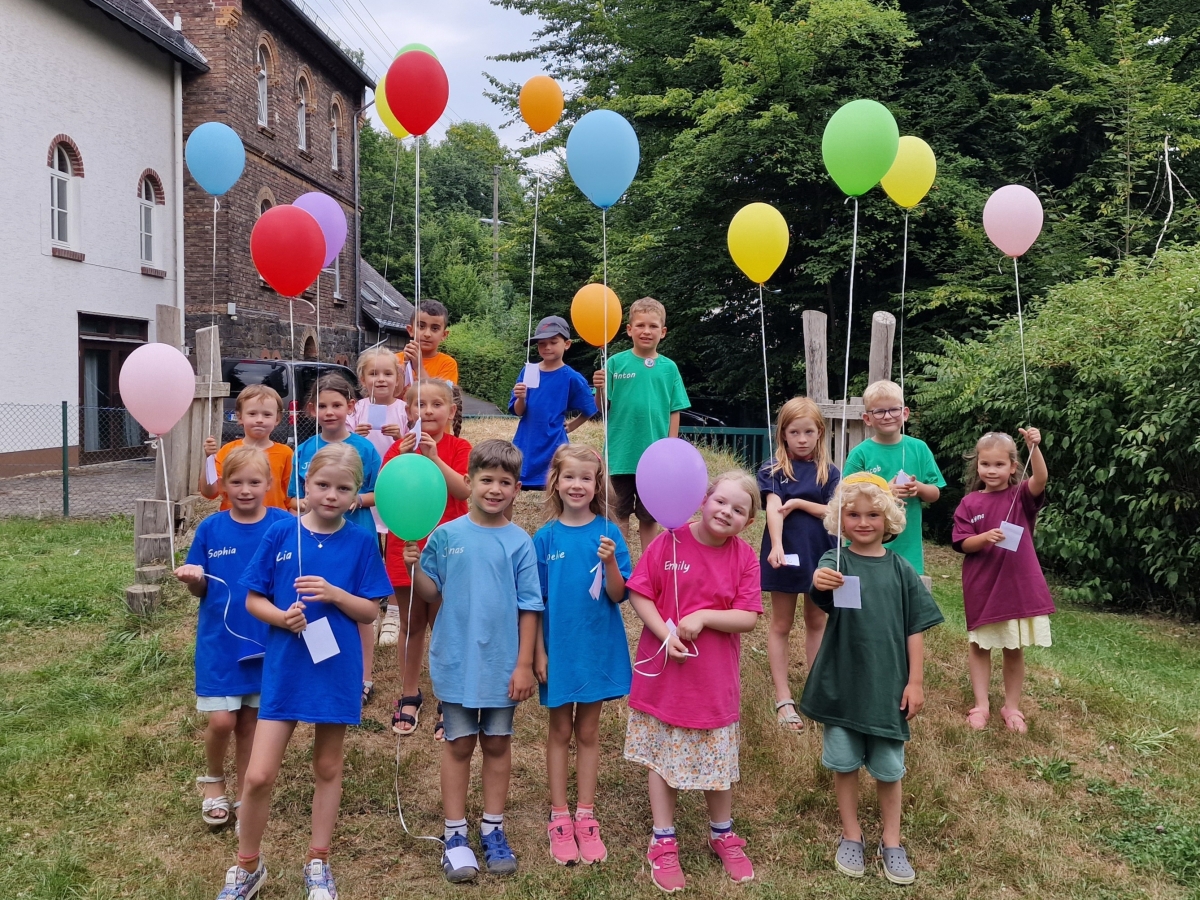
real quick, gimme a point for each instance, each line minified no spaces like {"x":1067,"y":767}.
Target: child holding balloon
{"x":582,"y":564}
{"x":696,"y":589}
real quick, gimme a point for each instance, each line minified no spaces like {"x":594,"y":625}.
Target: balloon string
{"x":604,"y":354}
{"x":903,"y":284}
{"x":387,"y":258}
{"x":417,"y":228}
{"x":1021,"y":328}
{"x":533,"y":257}
{"x":846,"y":376}
{"x":212,"y":335}
{"x":162,"y":452}
{"x":762,"y":321}
{"x":295,"y":414}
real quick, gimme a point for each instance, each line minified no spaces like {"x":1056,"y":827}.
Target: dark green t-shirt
{"x":861,"y":671}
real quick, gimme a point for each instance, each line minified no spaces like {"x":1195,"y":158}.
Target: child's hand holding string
{"x":412,"y":553}
{"x":408,"y":442}
{"x":608,"y":550}
{"x":315,"y":588}
{"x":827,"y":580}
{"x":995,"y":536}
{"x":428,"y":445}
{"x":690,"y":626}
{"x":1032,"y":436}
{"x":210,"y":446}
{"x":190,"y":574}
{"x":775,"y":558}
{"x":293,"y":618}
{"x":521,"y":390}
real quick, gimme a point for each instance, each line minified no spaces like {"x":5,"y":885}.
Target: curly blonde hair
{"x":881,"y":500}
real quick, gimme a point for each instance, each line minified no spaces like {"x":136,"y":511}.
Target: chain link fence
{"x":69,"y":460}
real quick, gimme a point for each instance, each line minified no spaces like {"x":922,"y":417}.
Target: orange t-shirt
{"x":440,"y":365}
{"x":279,"y":458}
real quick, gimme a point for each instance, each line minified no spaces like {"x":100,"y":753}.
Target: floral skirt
{"x":688,"y":759}
{"x":1012,"y":634}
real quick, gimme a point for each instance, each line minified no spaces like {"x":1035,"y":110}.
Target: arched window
{"x":302,"y":113}
{"x":146,"y":201}
{"x":264,"y":205}
{"x":335,"y":114}
{"x":60,"y":195}
{"x":262,"y":75}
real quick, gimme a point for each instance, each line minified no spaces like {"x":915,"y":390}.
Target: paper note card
{"x":597,"y":582}
{"x":210,"y":470}
{"x":461,"y":858}
{"x":903,"y":477}
{"x":416,"y":432}
{"x":791,"y":559}
{"x":320,"y":640}
{"x":1012,"y":536}
{"x":849,"y":595}
{"x":532,"y":376}
{"x":376,"y":416}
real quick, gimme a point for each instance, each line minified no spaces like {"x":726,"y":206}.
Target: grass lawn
{"x":100,"y":745}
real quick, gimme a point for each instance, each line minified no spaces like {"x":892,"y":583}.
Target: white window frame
{"x":333,"y":140}
{"x":60,"y":197}
{"x":302,"y":116}
{"x":263,"y":107}
{"x":146,"y":206}
{"x":337,"y":277}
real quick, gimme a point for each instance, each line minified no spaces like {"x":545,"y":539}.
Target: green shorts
{"x":846,"y":750}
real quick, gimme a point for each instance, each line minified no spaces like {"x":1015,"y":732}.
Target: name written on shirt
{"x":551,"y":557}
{"x":680,"y":566}
{"x":618,"y":376}
{"x":224,"y":551}
{"x":978,"y":518}
{"x":451,"y":551}
{"x":282,"y":555}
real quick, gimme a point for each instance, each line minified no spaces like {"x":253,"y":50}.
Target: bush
{"x":489,"y":355}
{"x":1112,"y":382}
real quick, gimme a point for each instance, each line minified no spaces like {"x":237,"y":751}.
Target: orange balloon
{"x":588,"y":314}
{"x":541,"y":103}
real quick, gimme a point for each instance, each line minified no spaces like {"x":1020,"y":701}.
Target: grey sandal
{"x":789,"y":721}
{"x":896,"y":868}
{"x":851,"y":858}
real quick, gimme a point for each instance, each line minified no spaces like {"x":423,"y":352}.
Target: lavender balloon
{"x":671,"y":481}
{"x":1012,"y":218}
{"x":332,"y":219}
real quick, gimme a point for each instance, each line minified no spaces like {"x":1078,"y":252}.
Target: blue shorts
{"x":463,"y":721}
{"x":845,"y":750}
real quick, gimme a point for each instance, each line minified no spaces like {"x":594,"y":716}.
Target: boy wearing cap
{"x":542,"y":397}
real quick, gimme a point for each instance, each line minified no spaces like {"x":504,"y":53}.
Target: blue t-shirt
{"x":541,"y":430}
{"x":294,"y":688}
{"x":224,"y":548}
{"x":585,"y":639}
{"x":371,"y":464}
{"x":803,"y":534}
{"x":485,"y":576}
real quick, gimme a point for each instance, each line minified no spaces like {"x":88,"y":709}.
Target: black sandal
{"x":439,"y":730}
{"x":402,"y":718}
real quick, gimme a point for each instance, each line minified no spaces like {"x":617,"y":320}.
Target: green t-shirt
{"x":885,"y":460}
{"x":861,"y":670}
{"x":641,"y":399}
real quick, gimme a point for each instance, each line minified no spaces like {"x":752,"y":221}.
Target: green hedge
{"x":1113,"y":376}
{"x":489,"y":356}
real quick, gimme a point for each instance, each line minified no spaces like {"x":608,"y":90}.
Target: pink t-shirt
{"x":704,"y":692}
{"x":394,"y":413}
{"x":999,"y":584}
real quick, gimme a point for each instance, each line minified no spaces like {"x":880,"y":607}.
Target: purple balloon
{"x":671,"y":481}
{"x":332,"y":219}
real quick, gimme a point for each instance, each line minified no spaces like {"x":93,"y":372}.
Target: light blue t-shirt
{"x":294,"y":688}
{"x":371,"y":464}
{"x":542,"y":429}
{"x":586,"y":646}
{"x":224,"y":548}
{"x":485,"y":576}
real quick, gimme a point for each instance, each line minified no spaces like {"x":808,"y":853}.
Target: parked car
{"x":293,"y":381}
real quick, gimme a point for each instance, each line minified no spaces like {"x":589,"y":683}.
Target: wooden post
{"x":142,"y":599}
{"x":206,"y":415}
{"x":173,"y":445}
{"x":883,"y":328}
{"x":816,"y":365}
{"x":152,"y":525}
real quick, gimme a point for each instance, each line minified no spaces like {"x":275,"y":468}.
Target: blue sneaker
{"x":242,"y":885}
{"x":318,"y":881}
{"x":497,"y":855}
{"x":458,"y":862}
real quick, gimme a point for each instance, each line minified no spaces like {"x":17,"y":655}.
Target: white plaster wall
{"x":67,"y":68}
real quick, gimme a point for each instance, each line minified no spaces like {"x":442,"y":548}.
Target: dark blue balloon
{"x":215,"y":157}
{"x":603,"y":156}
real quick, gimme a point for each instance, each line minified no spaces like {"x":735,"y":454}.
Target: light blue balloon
{"x":602,"y":156}
{"x":215,"y":157}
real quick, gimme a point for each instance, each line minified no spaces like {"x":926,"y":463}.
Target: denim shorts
{"x":846,"y":750}
{"x":463,"y":721}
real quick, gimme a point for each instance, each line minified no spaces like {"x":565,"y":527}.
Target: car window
{"x":245,"y":372}
{"x":306,"y":375}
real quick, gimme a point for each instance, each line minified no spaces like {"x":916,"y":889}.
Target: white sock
{"x":491,"y":822}
{"x":455,"y":826}
{"x":393,"y":610}
{"x":718,"y":830}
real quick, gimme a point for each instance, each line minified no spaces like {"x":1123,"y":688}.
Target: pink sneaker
{"x":587,"y":836}
{"x":663,"y":857}
{"x":562,"y":841}
{"x":729,"y":850}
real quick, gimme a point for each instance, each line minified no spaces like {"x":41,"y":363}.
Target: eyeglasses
{"x":893,"y":413}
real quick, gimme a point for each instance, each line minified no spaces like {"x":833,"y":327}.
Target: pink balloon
{"x":1012,"y":218}
{"x":157,"y":386}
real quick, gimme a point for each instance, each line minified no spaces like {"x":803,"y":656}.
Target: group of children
{"x":289,"y":603}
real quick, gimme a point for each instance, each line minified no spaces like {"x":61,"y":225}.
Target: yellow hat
{"x":867,"y":478}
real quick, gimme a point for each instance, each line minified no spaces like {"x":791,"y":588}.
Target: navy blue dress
{"x":803,"y":534}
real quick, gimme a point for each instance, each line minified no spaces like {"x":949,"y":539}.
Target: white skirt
{"x":1012,"y":634}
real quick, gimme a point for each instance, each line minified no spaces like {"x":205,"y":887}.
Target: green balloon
{"x":859,"y":145}
{"x":410,"y":495}
{"x":414,"y":46}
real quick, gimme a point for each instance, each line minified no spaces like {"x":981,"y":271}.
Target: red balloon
{"x":417,"y":90}
{"x":288,"y":248}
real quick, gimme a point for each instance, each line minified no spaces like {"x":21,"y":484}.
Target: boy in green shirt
{"x":644,"y":399}
{"x":905,"y":462}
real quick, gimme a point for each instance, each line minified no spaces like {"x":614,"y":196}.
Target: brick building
{"x":294,"y":96}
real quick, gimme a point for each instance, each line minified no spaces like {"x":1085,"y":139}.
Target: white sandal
{"x":789,"y":721}
{"x":215,"y":804}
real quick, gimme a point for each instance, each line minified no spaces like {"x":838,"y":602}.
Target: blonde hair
{"x":740,"y":478}
{"x":580,"y":453}
{"x":341,"y":456}
{"x":881,"y":501}
{"x":371,"y":357}
{"x":240,"y":457}
{"x":987,"y":442}
{"x":882,"y":390}
{"x":648,"y":305}
{"x":801,"y":408}
{"x":437,"y":384}
{"x":259,"y":392}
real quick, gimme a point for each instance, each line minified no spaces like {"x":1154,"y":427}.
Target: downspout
{"x":179,"y":296}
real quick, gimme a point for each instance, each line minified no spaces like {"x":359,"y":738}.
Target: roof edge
{"x":188,"y":55}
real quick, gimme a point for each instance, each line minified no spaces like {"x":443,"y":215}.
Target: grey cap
{"x":552,"y":326}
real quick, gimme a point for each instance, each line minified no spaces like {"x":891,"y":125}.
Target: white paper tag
{"x":376,"y":416}
{"x":210,"y":470}
{"x":532,"y":376}
{"x":462,"y":858}
{"x":408,"y":373}
{"x":594,"y":590}
{"x":791,"y":559}
{"x":380,"y":528}
{"x":321,"y":643}
{"x":1012,"y":536}
{"x":671,"y":626}
{"x":903,"y":477}
{"x":416,"y":430}
{"x":849,"y":595}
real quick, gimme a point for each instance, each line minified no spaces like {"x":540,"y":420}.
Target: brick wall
{"x":228,"y":33}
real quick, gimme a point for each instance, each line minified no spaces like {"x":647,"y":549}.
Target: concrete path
{"x":101,"y":490}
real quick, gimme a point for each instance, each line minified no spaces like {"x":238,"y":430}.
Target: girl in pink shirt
{"x":696,"y":589}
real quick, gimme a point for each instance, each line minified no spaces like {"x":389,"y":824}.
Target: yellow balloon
{"x":758,"y":240}
{"x":385,"y":112}
{"x":911,"y":175}
{"x":588,"y":314}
